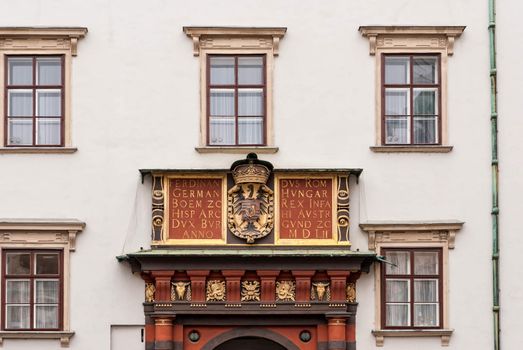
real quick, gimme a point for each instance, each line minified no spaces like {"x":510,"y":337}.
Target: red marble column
{"x":337,"y":333}
{"x":268,"y":285}
{"x":163,"y":333}
{"x":303,"y":285}
{"x":351,"y":333}
{"x":233,"y":285}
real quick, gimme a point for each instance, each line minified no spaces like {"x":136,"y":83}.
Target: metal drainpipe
{"x":495,"y":172}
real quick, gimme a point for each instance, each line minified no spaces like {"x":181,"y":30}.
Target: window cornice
{"x":410,"y":38}
{"x":40,"y":231}
{"x":248,"y":37}
{"x":411,"y":232}
{"x":41,"y":38}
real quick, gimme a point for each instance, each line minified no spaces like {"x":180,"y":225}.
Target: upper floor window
{"x":34,"y":110}
{"x":411,"y":106}
{"x":236,"y":109}
{"x":36,"y":97}
{"x":236,"y":66}
{"x":412,"y":288}
{"x":411,"y":86}
{"x":32,"y":289}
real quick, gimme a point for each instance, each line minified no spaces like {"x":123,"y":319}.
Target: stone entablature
{"x":250,"y":204}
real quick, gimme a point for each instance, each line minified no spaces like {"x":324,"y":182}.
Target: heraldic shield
{"x":250,"y":202}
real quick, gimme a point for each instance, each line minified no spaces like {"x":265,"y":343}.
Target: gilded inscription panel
{"x":306,"y":209}
{"x":196,"y":207}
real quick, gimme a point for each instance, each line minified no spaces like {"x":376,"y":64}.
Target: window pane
{"x":20,"y":131}
{"x":401,"y":260}
{"x":222,"y":102}
{"x":426,"y":263}
{"x":17,"y":316}
{"x":49,"y":103}
{"x":397,"y":130}
{"x":425,"y":290}
{"x":222,"y":70}
{"x":426,"y":315}
{"x":425,"y":70}
{"x":250,"y":102}
{"x":47,"y":291}
{"x":20,"y":71}
{"x":425,"y":130}
{"x":222,"y":131}
{"x":47,"y":263}
{"x":20,"y":103}
{"x":397,"y":315}
{"x":397,"y":102}
{"x":48,"y":131}
{"x":250,"y":130}
{"x":46,"y":316}
{"x":250,"y":70}
{"x":49,"y":71}
{"x":18,"y":263}
{"x":397,"y":70}
{"x":17,"y":291}
{"x":397,"y":290}
{"x":426,"y":101}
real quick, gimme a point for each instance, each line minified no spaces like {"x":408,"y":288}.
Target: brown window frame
{"x":34,"y":87}
{"x":32,"y":276}
{"x":411,"y":277}
{"x":237,"y":86}
{"x":411,"y":86}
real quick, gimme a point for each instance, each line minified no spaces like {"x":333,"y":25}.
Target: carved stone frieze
{"x":320,"y":291}
{"x":351,"y":292}
{"x":181,"y":291}
{"x":250,"y":291}
{"x":149,"y":292}
{"x":285,"y":291}
{"x":216,"y":290}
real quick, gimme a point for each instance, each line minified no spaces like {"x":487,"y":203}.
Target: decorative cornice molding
{"x":244,"y":38}
{"x":411,"y":37}
{"x":411,"y":232}
{"x":40,"y":231}
{"x":41,"y":38}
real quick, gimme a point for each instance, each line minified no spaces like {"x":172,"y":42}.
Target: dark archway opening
{"x":250,"y":343}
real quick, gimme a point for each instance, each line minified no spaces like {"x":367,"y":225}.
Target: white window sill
{"x":411,"y":149}
{"x":58,"y":150}
{"x":64,"y":337}
{"x":236,"y":149}
{"x":380,"y":334}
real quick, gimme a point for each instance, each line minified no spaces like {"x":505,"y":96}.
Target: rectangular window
{"x":236,"y":100}
{"x":411,"y":99}
{"x":34,"y":109}
{"x":412,"y":288}
{"x":32,"y":289}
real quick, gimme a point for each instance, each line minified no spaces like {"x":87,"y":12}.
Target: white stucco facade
{"x":135,"y":103}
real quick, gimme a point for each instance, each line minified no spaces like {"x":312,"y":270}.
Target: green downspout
{"x":495,"y":171}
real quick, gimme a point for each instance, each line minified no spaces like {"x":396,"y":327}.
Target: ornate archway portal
{"x":250,"y":343}
{"x":250,"y":248}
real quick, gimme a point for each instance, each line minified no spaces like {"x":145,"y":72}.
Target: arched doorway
{"x":250,"y":338}
{"x":250,"y":343}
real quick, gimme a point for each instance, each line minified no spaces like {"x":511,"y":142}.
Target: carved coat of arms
{"x":250,"y":201}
